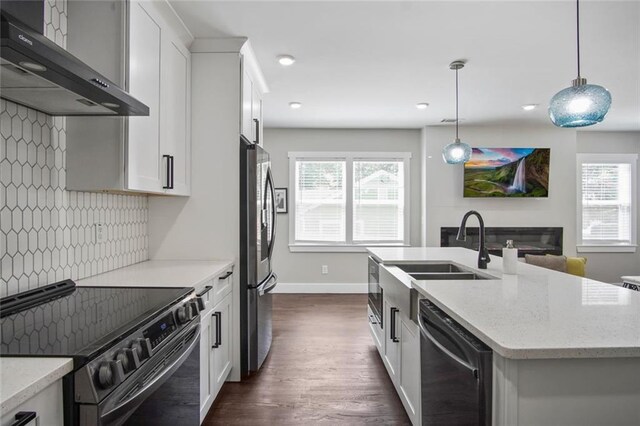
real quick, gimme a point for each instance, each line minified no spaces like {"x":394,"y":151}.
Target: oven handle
{"x":425,"y":333}
{"x":154,"y":384}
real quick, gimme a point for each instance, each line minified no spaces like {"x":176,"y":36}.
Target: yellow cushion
{"x":575,"y":265}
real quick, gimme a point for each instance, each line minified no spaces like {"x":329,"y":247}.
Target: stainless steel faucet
{"x":483,"y":253}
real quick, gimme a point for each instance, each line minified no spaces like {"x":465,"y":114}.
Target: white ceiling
{"x":366,"y":64}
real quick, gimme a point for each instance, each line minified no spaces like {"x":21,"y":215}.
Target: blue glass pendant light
{"x":581,"y":104}
{"x":456,"y":152}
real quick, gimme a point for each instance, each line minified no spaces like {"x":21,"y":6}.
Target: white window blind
{"x":349,"y":199}
{"x":607,"y":200}
{"x":320,"y":200}
{"x":378,"y":200}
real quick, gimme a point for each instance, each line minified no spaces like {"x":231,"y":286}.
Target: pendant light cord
{"x":457,"y":104}
{"x":578,"y":34}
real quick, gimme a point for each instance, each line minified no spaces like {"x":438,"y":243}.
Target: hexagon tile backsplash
{"x":48,"y":233}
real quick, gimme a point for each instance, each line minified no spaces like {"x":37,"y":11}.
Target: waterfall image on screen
{"x":507,"y":172}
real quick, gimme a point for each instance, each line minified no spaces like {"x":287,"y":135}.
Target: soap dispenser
{"x":510,"y":259}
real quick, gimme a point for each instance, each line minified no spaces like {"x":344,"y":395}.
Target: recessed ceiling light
{"x":422,"y":105}
{"x":529,"y":107}
{"x":286,"y":60}
{"x":295,"y":105}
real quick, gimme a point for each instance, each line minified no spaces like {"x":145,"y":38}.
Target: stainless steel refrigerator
{"x":257,"y":237}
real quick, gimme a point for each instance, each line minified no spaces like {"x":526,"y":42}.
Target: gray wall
{"x":47,"y":232}
{"x":445,"y":205}
{"x":609,"y":267}
{"x":343,"y":267}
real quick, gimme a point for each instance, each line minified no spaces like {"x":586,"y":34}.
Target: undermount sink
{"x":449,"y":276}
{"x":430,"y":267}
{"x":442,"y":271}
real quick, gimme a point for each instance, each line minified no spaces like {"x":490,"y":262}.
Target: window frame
{"x":349,"y":245}
{"x":607,"y":247}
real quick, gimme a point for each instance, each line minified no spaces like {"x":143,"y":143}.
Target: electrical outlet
{"x":325,"y":269}
{"x":100,"y":233}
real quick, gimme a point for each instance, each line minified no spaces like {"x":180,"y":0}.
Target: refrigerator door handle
{"x":268,"y":286}
{"x":272,"y":193}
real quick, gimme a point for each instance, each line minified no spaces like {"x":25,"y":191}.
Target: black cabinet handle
{"x":392,"y":332}
{"x":218,"y":341}
{"x":227,"y":275}
{"x":169,"y":172}
{"x":257,"y":123}
{"x":24,"y":417}
{"x":172,"y":169}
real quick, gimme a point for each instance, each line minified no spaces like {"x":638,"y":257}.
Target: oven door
{"x":162,"y":392}
{"x":375,"y":291}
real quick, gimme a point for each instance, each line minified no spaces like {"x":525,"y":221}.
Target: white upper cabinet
{"x":139,"y":154}
{"x":246,"y":125}
{"x":253,"y":89}
{"x":175,"y":113}
{"x":143,"y":141}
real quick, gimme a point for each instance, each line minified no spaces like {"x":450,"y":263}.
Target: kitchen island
{"x":566,"y":348}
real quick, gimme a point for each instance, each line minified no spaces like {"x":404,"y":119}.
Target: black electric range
{"x":120,"y":338}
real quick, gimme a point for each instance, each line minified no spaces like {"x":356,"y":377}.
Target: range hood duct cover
{"x":39,"y":74}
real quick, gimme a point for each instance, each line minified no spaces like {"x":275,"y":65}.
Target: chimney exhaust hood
{"x":39,"y":74}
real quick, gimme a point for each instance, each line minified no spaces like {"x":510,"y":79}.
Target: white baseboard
{"x":321,"y":288}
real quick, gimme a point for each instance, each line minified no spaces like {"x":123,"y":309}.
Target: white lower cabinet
{"x":376,"y":330}
{"x":46,"y":406}
{"x":206,"y":390}
{"x":400,"y":346}
{"x":216,"y":353}
{"x":221,"y":342}
{"x":409,"y":377}
{"x":391,"y":341}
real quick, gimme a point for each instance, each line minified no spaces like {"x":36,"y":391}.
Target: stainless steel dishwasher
{"x":456,"y":371}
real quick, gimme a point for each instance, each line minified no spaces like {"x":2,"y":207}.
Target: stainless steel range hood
{"x":37,"y":73}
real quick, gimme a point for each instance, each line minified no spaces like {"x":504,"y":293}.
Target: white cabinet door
{"x":256,"y":115}
{"x":391,"y":339}
{"x":409,"y":377}
{"x":143,"y":160}
{"x":376,"y":332}
{"x":175,"y":145}
{"x":221,"y":342}
{"x":46,"y":404}
{"x":246,"y":123}
{"x":206,"y":390}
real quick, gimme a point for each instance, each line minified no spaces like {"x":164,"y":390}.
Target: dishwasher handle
{"x":425,"y":332}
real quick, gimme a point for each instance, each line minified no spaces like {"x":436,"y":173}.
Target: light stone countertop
{"x":22,"y":378}
{"x":536,"y":314}
{"x":160,"y":273}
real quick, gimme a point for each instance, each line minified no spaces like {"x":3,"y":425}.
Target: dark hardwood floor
{"x":323,"y":369}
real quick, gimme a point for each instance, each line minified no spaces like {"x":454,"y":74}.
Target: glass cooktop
{"x":81,"y":322}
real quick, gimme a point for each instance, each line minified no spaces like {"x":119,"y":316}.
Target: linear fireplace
{"x":528,"y":240}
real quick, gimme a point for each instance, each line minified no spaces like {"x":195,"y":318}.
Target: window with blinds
{"x":349,"y":198}
{"x":320,"y":200}
{"x":378,"y":200}
{"x":607,"y":200}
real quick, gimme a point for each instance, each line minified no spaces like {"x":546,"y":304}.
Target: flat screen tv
{"x":507,"y":172}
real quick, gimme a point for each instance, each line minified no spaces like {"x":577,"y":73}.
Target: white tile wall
{"x":46,"y":232}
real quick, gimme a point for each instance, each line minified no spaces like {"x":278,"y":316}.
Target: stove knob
{"x":136,"y":347}
{"x":183,"y":313}
{"x":195,"y":308}
{"x":124,"y":355}
{"x":190,"y":313}
{"x":105,"y":375}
